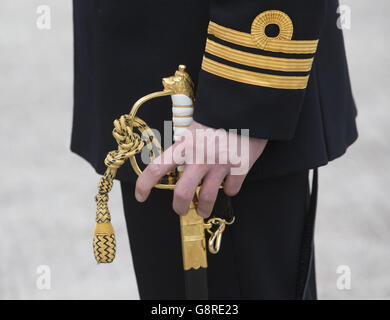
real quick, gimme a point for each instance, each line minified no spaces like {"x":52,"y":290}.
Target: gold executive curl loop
{"x":258,"y":39}
{"x":266,"y":18}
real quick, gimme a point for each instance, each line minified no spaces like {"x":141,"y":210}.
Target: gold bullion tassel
{"x":104,"y":237}
{"x":129,"y":143}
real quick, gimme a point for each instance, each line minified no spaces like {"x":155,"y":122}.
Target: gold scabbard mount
{"x":193,"y":237}
{"x":193,"y":240}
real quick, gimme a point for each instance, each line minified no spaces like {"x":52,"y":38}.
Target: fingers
{"x":153,"y":173}
{"x":233,"y":184}
{"x":186,"y":187}
{"x":209,"y":192}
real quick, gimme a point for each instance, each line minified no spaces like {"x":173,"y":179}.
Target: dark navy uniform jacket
{"x":275,"y":67}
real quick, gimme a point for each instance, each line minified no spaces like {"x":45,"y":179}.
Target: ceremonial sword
{"x":130,"y":143}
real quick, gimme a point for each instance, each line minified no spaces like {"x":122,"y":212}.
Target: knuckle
{"x":183,"y":193}
{"x":140,"y":189}
{"x":154,"y":169}
{"x":199,"y":166}
{"x":139,"y":186}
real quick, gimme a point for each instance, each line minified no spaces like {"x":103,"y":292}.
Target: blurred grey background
{"x":46,"y":196}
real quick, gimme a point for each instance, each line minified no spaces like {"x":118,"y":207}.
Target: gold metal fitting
{"x":214,"y":243}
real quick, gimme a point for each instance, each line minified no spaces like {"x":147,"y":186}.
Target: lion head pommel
{"x":180,"y":83}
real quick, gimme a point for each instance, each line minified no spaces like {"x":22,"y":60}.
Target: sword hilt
{"x":191,"y":225}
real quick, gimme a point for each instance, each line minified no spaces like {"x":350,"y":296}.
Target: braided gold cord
{"x":129,"y":144}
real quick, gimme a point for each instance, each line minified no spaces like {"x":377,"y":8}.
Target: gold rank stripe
{"x":274,"y":45}
{"x":254,"y":78}
{"x":258,"y":61}
{"x":181,"y":125}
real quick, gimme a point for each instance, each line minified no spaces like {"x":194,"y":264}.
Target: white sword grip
{"x":182,"y":111}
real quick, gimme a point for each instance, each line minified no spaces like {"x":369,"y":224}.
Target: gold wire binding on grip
{"x":130,"y":144}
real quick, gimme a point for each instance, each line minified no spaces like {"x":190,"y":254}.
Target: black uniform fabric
{"x":123,"y":49}
{"x":266,"y":254}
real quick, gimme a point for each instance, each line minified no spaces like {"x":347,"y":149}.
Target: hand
{"x":210,"y":161}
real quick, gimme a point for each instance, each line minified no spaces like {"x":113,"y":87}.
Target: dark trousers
{"x":266,"y":254}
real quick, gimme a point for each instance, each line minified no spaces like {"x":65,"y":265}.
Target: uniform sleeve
{"x":257,"y":63}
